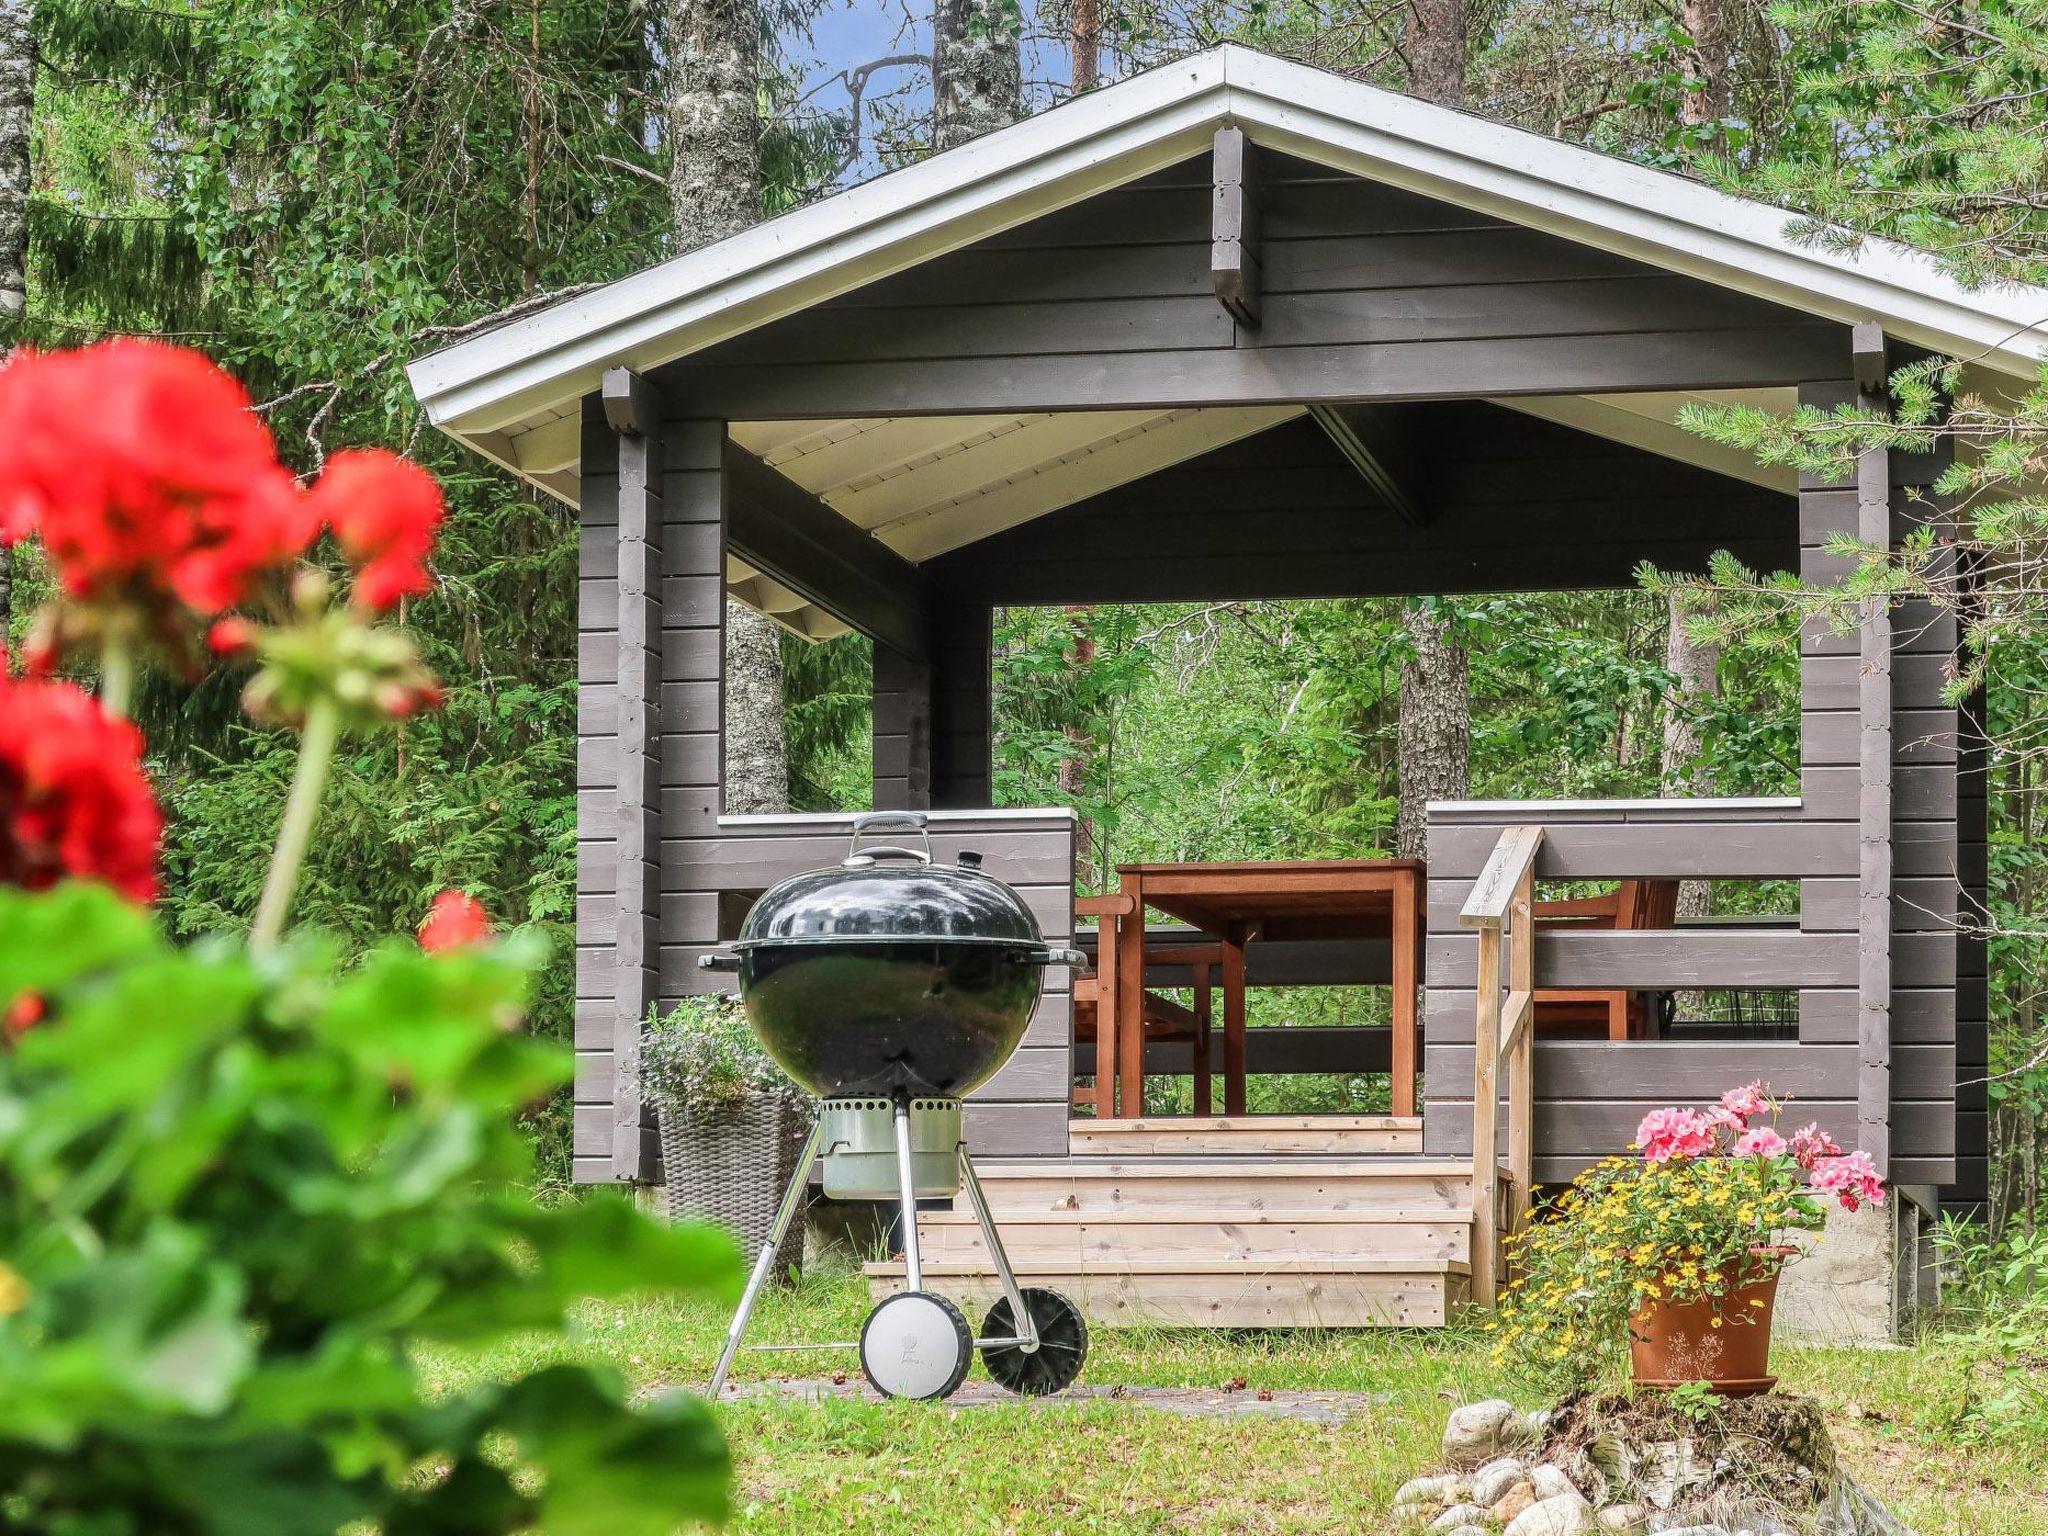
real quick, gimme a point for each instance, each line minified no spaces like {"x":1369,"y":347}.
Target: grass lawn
{"x":845,"y":1466}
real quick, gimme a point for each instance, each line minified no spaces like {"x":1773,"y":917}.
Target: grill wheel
{"x":1062,"y":1344}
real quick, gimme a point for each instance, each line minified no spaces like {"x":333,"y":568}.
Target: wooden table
{"x":1299,"y":899}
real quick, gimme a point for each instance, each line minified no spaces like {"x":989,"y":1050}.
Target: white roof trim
{"x":499,"y":379}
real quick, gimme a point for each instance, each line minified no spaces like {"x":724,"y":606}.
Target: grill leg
{"x":785,"y":1214}
{"x":1027,"y":1325}
{"x":906,"y":1181}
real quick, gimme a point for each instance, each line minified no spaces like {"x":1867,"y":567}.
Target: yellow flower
{"x":13,"y":1291}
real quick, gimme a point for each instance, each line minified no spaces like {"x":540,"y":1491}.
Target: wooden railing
{"x":1501,"y":908}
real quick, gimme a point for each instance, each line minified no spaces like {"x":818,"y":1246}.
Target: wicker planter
{"x":732,"y":1166}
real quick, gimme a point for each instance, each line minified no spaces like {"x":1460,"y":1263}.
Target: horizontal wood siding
{"x":1587,"y":1091}
{"x":1366,"y":290}
{"x":1512,"y":503}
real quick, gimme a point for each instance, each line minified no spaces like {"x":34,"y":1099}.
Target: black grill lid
{"x":891,"y":894}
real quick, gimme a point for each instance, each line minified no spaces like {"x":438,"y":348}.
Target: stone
{"x":1470,"y":1530}
{"x":1553,"y":1483}
{"x":1478,"y":1432}
{"x":1490,"y":1484}
{"x":1457,"y":1516}
{"x":1698,"y":1530}
{"x":1513,"y":1502}
{"x":1431,"y":1493}
{"x":1553,"y":1517}
{"x":1622,"y":1517}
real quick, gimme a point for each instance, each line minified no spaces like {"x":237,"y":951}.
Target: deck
{"x":1333,"y":1221}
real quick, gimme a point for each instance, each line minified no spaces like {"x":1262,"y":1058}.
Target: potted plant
{"x":1677,"y":1248}
{"x":732,"y":1125}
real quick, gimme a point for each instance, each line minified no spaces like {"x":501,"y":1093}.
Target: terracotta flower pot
{"x":1673,"y":1343}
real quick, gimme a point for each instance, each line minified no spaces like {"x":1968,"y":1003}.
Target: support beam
{"x":790,"y":536}
{"x":1234,"y":225}
{"x":632,"y":411}
{"x":1874,"y":736}
{"x":1379,"y":442}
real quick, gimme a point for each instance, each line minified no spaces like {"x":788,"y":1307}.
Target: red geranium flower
{"x":147,"y":476}
{"x":74,"y":800}
{"x":383,"y":510}
{"x":455,"y":921}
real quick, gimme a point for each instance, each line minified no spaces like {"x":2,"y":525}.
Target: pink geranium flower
{"x":1810,"y":1144}
{"x":1760,"y":1141}
{"x":1852,"y":1180}
{"x":1673,"y":1133}
{"x":1742,"y":1105}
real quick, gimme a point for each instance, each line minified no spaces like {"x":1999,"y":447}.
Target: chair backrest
{"x":1647,"y":904}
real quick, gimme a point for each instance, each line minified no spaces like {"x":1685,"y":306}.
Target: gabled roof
{"x":526,"y":376}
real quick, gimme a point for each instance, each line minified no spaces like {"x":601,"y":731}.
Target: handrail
{"x":1501,"y":906}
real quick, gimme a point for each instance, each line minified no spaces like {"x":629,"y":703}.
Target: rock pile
{"x":1757,"y":1467}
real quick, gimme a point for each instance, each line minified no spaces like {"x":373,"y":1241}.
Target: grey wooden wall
{"x":661,"y":877}
{"x":1369,"y":292}
{"x":1590,"y":1095}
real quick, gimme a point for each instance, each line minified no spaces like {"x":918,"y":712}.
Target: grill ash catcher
{"x":889,"y":987}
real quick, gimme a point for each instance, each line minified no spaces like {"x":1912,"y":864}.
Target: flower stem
{"x":117,"y":678}
{"x":301,"y":810}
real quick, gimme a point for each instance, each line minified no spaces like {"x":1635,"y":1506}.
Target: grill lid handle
{"x":858,"y":857}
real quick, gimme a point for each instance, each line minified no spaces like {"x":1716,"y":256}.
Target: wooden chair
{"x":1165,"y":1019}
{"x":1623,"y":1014}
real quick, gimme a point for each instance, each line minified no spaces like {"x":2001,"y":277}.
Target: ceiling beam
{"x":1379,"y":442}
{"x":1234,"y":225}
{"x":796,"y":541}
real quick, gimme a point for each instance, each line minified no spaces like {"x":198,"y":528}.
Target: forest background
{"x":315,"y":193}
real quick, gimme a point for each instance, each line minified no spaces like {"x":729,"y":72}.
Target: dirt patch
{"x":1190,"y":1402}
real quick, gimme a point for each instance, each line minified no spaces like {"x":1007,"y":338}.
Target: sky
{"x":848,"y":33}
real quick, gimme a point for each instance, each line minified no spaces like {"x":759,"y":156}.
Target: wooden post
{"x":1522,"y":1058}
{"x":1205,"y":1017}
{"x":1233,"y":1020}
{"x":633,"y":412}
{"x":1485,"y":1107}
{"x":1108,"y":943}
{"x":1407,"y":898}
{"x":1130,"y":1001}
{"x":1874,"y":756}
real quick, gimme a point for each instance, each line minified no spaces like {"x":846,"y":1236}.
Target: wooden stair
{"x":1171,"y":1231}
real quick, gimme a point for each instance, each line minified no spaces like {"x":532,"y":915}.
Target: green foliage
{"x":701,"y":1059}
{"x":239,"y":1196}
{"x":1995,"y":1293}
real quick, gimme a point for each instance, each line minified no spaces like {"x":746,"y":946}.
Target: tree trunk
{"x":17,"y":101}
{"x":1695,"y":664}
{"x":714,"y":185}
{"x":1434,"y":43}
{"x":1084,"y":29}
{"x":977,"y":70}
{"x":17,"y":112}
{"x":1707,"y":23}
{"x":1435,"y":728}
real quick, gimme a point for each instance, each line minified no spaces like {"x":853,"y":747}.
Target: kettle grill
{"x":889,"y":987}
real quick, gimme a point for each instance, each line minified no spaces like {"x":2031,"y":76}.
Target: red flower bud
{"x":383,"y":510}
{"x":232,"y":636}
{"x":23,"y":1015}
{"x":457,"y":920}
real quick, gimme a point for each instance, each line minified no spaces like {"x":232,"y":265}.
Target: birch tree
{"x":1436,"y":690}
{"x":17,"y":102}
{"x":714,"y":180}
{"x":977,"y":69}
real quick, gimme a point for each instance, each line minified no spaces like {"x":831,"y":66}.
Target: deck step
{"x":1389,"y":1294}
{"x":1250,"y":1238}
{"x":1203,"y":1186}
{"x":1246,"y":1135}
